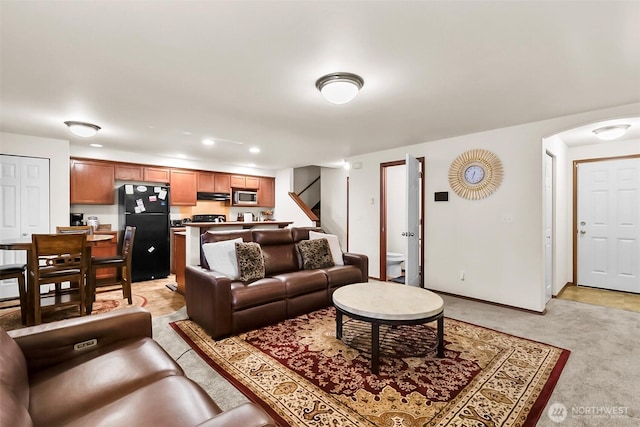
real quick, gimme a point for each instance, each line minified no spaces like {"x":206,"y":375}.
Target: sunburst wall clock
{"x":475,"y":174}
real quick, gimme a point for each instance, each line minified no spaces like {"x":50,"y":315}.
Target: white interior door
{"x":548,"y":226}
{"x":608,"y":224}
{"x":412,"y":262}
{"x":24,"y":191}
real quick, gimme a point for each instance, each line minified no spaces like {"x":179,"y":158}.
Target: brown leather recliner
{"x":224,"y":307}
{"x":103,"y":370}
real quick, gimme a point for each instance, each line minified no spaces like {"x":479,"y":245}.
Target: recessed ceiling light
{"x":96,"y":145}
{"x":252,"y":165}
{"x":83,"y":129}
{"x":254,"y":149}
{"x":609,"y":133}
{"x":208,"y":141}
{"x":186,"y":133}
{"x":346,"y":165}
{"x":182,"y":156}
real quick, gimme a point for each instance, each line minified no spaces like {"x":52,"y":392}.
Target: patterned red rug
{"x":299,"y":372}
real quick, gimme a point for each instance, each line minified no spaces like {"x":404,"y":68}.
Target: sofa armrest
{"x":360,"y":261}
{"x":51,"y":343}
{"x":208,"y":297}
{"x":245,"y":415}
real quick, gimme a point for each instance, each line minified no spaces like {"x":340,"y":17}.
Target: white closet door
{"x":24,"y":207}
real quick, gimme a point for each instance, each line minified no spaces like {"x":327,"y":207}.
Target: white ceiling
{"x":160,"y":76}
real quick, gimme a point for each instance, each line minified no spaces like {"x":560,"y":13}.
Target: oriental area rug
{"x":303,"y":376}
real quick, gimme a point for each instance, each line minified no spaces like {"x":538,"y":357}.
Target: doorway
{"x":389,"y":177}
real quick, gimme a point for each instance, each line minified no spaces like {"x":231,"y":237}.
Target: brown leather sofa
{"x":103,"y":370}
{"x":224,"y":307}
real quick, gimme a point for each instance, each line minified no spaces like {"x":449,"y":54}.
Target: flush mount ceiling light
{"x":208,"y":141}
{"x":85,"y":130}
{"x":609,"y":133}
{"x":339,"y":88}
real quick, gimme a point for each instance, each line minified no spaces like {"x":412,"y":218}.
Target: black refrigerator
{"x":146,"y":207}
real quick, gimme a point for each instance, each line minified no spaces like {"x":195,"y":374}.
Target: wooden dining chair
{"x":16,"y":271}
{"x":122,"y":262}
{"x":58,"y":258}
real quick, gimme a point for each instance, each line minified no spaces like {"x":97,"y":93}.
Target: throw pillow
{"x":250,"y":261}
{"x":334,"y":245}
{"x":315,"y":254}
{"x":221,"y":257}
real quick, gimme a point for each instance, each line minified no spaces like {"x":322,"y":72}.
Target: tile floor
{"x":613,"y":299}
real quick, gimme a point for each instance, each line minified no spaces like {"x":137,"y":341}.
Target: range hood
{"x":224,"y":197}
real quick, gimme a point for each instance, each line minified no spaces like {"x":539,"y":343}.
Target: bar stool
{"x":16,"y":271}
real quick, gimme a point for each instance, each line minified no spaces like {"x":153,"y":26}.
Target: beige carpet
{"x":152,"y":295}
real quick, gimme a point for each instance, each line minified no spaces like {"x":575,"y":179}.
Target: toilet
{"x":394,"y":264}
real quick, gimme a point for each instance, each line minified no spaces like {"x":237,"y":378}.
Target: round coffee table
{"x":386,"y":303}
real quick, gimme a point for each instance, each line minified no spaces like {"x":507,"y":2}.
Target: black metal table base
{"x":375,"y":332}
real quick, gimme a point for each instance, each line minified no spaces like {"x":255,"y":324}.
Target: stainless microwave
{"x":245,"y":197}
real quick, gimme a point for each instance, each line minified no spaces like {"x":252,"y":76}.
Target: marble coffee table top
{"x":387,"y":301}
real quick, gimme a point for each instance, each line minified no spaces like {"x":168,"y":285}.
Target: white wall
{"x":57,"y":151}
{"x":333,"y":215}
{"x":304,"y":176}
{"x":503,"y":262}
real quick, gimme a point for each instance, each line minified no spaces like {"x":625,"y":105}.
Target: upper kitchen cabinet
{"x":267,"y":192}
{"x":157,"y":175}
{"x":245,"y":182}
{"x":92,"y":183}
{"x":127,"y":172}
{"x":184,"y":184}
{"x":206,"y":182}
{"x":223,"y":183}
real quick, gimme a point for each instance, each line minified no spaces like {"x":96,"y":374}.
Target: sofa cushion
{"x":221,"y":257}
{"x":342,"y":275}
{"x":13,"y":370}
{"x":74,"y":387}
{"x":334,"y":245}
{"x":256,"y":293}
{"x":303,"y":282}
{"x":250,"y":261}
{"x":12,"y":412}
{"x":315,"y":254}
{"x":219,"y":236}
{"x":172,"y":401}
{"x":279,"y":251}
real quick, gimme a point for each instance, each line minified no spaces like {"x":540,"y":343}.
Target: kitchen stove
{"x":209,"y":218}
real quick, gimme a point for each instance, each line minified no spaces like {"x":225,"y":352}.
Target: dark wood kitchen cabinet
{"x":106,"y":248}
{"x":184,"y":185}
{"x":92,"y":182}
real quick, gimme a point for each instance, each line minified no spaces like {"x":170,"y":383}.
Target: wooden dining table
{"x":25,"y":244}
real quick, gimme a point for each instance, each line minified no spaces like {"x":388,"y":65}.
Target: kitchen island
{"x":195,"y":229}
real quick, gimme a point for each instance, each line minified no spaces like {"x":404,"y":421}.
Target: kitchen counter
{"x":239,"y":224}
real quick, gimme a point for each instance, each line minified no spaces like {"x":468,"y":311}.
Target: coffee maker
{"x":76,"y":219}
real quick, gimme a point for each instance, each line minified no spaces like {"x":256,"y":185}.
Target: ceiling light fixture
{"x":339,"y":88}
{"x":609,"y":133}
{"x":85,"y":130}
{"x":254,"y":149}
{"x":96,"y":145}
{"x":208,"y":142}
